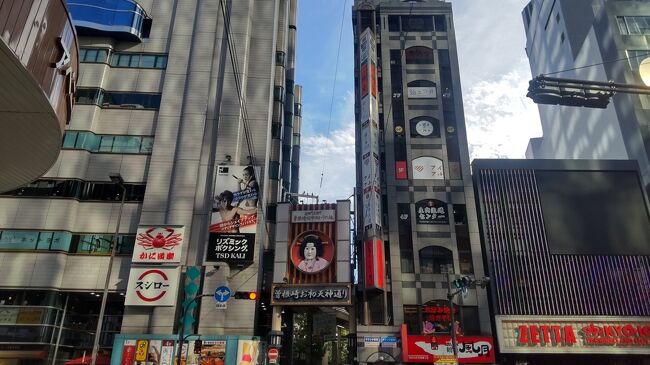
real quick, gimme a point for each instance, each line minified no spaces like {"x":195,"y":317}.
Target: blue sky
{"x":494,"y":75}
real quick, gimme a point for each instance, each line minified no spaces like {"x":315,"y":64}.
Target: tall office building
{"x":416,"y":217}
{"x":569,"y":34}
{"x":183,"y":134}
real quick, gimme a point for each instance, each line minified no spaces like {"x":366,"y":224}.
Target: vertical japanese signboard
{"x":369,"y":113}
{"x":234,"y":215}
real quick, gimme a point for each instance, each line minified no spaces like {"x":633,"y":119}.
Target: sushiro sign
{"x":152,"y":286}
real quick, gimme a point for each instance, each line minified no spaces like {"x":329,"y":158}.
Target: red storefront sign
{"x":599,"y":335}
{"x":374,"y":264}
{"x":471,"y":349}
{"x":400,"y":170}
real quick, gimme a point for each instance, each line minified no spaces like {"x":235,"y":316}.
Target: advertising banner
{"x":427,"y":349}
{"x":8,"y":315}
{"x":562,"y":335}
{"x":431,"y":211}
{"x":234,"y":212}
{"x":231,"y":247}
{"x":156,"y":244}
{"x":248,"y":352}
{"x":128,"y":352}
{"x":427,"y":168}
{"x":213,"y":353}
{"x":152,"y":286}
{"x":166,"y":352}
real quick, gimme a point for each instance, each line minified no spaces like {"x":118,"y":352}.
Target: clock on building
{"x":424,"y":128}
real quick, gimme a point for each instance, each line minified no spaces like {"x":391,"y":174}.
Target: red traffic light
{"x":249,"y":295}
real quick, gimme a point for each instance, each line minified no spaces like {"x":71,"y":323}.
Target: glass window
{"x":147,"y":61}
{"x":18,"y":240}
{"x":123,"y":60}
{"x":87,"y":96}
{"x":393,"y":23}
{"x":135,"y":61}
{"x":146,"y":145}
{"x":90,"y":56}
{"x":106,"y":144}
{"x":69,"y":139}
{"x":440,"y":23}
{"x":61,"y":241}
{"x":126,"y":144}
{"x":432,"y":258}
{"x":417,"y":23}
{"x":125,"y":244}
{"x":161,"y":62}
{"x":95,"y":244}
{"x":419,"y":55}
{"x":44,"y":240}
{"x":634,"y":25}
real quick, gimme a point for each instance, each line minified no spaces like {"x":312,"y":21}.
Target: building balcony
{"x":123,"y":20}
{"x":38,"y":68}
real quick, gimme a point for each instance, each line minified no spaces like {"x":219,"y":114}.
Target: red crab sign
{"x":158,"y":244}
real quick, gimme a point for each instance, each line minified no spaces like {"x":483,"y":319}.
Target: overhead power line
{"x":336,"y":70}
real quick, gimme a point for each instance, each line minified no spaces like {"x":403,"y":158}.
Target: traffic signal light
{"x":250,"y":295}
{"x":463,"y":282}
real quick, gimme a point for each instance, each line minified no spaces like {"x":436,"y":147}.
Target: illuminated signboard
{"x":520,"y":334}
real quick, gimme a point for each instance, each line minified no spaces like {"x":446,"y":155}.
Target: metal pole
{"x":58,"y":337}
{"x":102,"y":308}
{"x":450,"y":297}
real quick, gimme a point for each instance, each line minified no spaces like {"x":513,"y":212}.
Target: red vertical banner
{"x":374,"y":264}
{"x":128,"y":352}
{"x":400,"y":170}
{"x":364,"y":80}
{"x":373,"y":79}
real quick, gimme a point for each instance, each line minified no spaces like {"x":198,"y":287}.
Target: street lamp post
{"x":116,"y":178}
{"x":181,"y":337}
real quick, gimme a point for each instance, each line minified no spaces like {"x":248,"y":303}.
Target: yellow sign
{"x":141,"y":350}
{"x":29,"y":316}
{"x":446,"y":360}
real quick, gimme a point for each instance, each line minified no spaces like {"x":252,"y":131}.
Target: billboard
{"x":158,"y":244}
{"x":561,"y":335}
{"x":233,"y":222}
{"x":152,"y":286}
{"x":428,"y":349}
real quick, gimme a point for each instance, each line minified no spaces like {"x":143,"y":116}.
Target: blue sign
{"x":222,"y":294}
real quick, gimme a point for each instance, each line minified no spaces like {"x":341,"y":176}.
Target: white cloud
{"x":500,"y":118}
{"x":336,"y":154}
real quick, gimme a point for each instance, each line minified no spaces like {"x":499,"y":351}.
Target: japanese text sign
{"x":152,"y":286}
{"x":158,"y":245}
{"x":231,"y":247}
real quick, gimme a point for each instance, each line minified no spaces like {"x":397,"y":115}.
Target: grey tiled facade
{"x":199,"y":124}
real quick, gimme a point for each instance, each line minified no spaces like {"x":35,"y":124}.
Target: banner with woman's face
{"x":233,"y":222}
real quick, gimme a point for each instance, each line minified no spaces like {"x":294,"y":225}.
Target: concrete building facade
{"x":612,"y":36}
{"x":416,"y":216}
{"x":167,"y":92}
